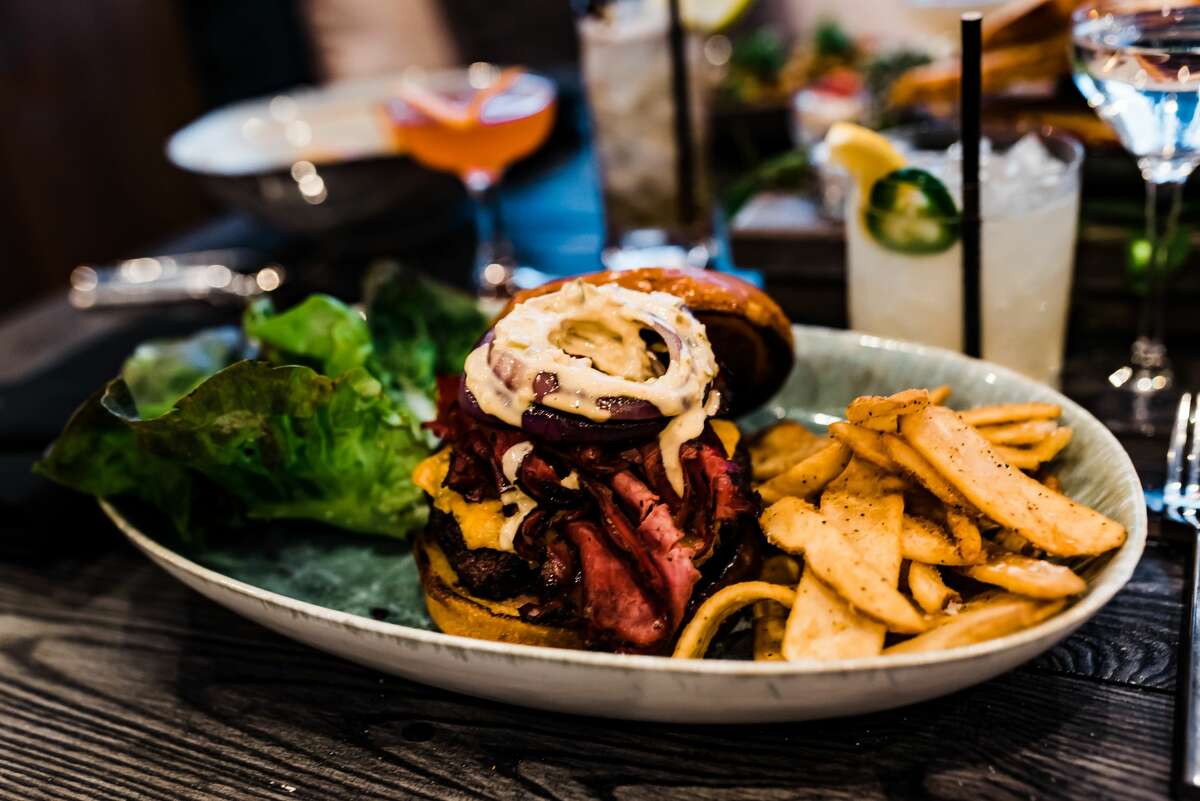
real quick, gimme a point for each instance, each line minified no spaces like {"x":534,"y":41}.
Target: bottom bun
{"x":455,"y":611}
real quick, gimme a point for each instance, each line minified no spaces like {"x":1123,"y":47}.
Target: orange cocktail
{"x":474,"y":131}
{"x":475,"y":122}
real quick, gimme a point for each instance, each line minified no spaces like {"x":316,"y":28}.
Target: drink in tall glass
{"x":1030,"y":207}
{"x":628,"y":74}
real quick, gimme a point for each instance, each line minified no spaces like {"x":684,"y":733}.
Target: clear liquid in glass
{"x":1138,"y":66}
{"x":1141,"y":73}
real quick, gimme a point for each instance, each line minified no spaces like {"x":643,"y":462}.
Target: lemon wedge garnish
{"x":710,"y":16}
{"x":865,"y":154}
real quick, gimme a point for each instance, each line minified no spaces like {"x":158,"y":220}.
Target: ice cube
{"x":1006,"y":195}
{"x":1029,"y":159}
{"x":954,"y":152}
{"x":1024,"y":174}
{"x":935,"y":163}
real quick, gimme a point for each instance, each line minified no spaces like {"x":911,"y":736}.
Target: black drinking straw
{"x":683,"y":122}
{"x":969,"y":126}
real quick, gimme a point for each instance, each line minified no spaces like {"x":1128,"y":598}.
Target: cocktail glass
{"x":1030,"y":207}
{"x":1138,"y":66}
{"x":657,"y":202}
{"x":475,"y":122}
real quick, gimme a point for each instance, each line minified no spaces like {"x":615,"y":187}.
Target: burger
{"x":589,"y":491}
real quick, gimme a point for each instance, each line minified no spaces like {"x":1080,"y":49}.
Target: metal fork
{"x":1181,"y":503}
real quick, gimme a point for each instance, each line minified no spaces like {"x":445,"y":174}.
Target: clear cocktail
{"x":1138,"y":65}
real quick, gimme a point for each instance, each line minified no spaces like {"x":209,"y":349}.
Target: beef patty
{"x":484,"y":572}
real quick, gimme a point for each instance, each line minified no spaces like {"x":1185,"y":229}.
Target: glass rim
{"x":1072,"y":166}
{"x":1127,"y":6}
{"x":439,"y":77}
{"x":533,"y":83}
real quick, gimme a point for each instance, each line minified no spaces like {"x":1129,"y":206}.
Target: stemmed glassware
{"x":1138,"y":65}
{"x":475,"y":122}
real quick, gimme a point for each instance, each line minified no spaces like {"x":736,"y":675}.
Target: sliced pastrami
{"x":617,"y":555}
{"x":660,"y":538}
{"x":540,"y":480}
{"x":622,"y":534}
{"x":615,"y":606}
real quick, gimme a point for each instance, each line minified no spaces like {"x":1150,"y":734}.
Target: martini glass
{"x":475,"y":122}
{"x":1138,"y":66}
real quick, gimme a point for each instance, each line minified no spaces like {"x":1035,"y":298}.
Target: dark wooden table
{"x":118,"y":683}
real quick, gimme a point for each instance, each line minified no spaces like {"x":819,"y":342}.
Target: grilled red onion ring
{"x":571,"y":361}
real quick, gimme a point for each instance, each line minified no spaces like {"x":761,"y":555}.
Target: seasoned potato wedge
{"x":923,"y":540}
{"x":965,"y":533}
{"x":797,"y":526}
{"x":926,"y":587}
{"x":1024,"y":575}
{"x":1031,"y":458}
{"x":979,"y":620}
{"x":866,"y":444}
{"x":880,"y":412}
{"x":865,"y":505}
{"x":938,"y":395}
{"x":1051,"y":521}
{"x":823,"y":626}
{"x":779,"y":447}
{"x":809,"y":476}
{"x":1010,"y":413}
{"x":918,"y":468}
{"x":1027,"y":432}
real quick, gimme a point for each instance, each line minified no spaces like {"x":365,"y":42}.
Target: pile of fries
{"x":910,"y":527}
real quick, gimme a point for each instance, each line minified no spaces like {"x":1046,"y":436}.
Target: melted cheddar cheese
{"x":729,"y":435}
{"x":481,"y":523}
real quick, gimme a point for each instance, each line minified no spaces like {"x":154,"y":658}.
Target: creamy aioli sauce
{"x":510,"y":463}
{"x":589,"y":338}
{"x":524,"y":504}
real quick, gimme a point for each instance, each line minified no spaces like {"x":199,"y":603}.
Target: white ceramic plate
{"x":832,"y":367}
{"x":336,"y":122}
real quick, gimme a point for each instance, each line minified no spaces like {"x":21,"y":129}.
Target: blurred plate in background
{"x":310,"y":160}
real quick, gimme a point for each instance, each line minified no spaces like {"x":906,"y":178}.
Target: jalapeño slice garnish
{"x":911,"y":211}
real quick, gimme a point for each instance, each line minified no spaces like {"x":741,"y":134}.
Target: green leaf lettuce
{"x":285,"y":442}
{"x":325,"y":428}
{"x":162,"y":371}
{"x":321,"y":332}
{"x":420,"y":328}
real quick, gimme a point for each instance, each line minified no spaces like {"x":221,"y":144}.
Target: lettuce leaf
{"x":286,"y":442}
{"x":326,"y":428}
{"x":321,"y":332}
{"x":161,"y":371}
{"x":96,"y":454}
{"x":420,"y":329}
